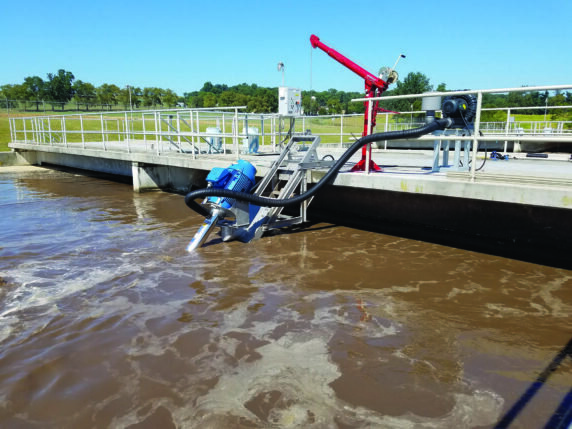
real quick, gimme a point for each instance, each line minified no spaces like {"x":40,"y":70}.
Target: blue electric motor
{"x":238,"y":177}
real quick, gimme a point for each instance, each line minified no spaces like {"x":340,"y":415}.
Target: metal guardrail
{"x":477,"y":128}
{"x":230,"y":130}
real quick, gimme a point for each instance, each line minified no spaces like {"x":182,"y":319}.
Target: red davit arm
{"x":370,"y":78}
{"x":374,"y":86}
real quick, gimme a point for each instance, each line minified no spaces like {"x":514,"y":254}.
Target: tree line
{"x":62,"y":87}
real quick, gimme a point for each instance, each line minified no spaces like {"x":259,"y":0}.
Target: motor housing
{"x":238,"y":177}
{"x":461,"y":109}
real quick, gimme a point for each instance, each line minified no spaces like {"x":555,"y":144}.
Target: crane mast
{"x":374,"y":87}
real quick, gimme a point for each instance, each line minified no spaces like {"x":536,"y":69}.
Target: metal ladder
{"x":291,"y":166}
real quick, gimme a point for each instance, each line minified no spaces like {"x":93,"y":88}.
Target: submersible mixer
{"x":244,"y":211}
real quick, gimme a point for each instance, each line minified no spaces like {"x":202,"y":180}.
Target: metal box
{"x":289,"y":101}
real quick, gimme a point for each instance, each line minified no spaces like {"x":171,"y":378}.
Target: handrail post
{"x":223,"y":133}
{"x":144,"y":131}
{"x":193,"y":136}
{"x":262,"y":128}
{"x":82,"y":131}
{"x":235,"y":133}
{"x":179,"y":132}
{"x":341,"y":130}
{"x":157,"y":126}
{"x":127,"y":137}
{"x":64,"y":131}
{"x":198,"y":134}
{"x":476,"y":131}
{"x":50,"y":131}
{"x":369,"y":131}
{"x":507,"y":129}
{"x":102,"y":130}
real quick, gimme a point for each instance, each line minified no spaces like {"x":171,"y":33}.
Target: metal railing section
{"x":230,"y":130}
{"x":476,"y":137}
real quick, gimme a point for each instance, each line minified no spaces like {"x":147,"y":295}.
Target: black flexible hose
{"x":438,"y":124}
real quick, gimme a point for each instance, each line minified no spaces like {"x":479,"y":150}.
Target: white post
{"x":476,"y":134}
{"x":507,"y":129}
{"x":179,"y":132}
{"x":34,"y":131}
{"x":223,"y":133}
{"x":50,"y":130}
{"x":386,"y":127}
{"x":144,"y":131}
{"x":198,"y":132}
{"x":102,"y":134}
{"x":235,"y":133}
{"x":160,"y":134}
{"x":82,"y":132}
{"x":341,"y":130}
{"x":262,"y":128}
{"x":195,"y":136}
{"x":369,"y":130}
{"x":273,"y":131}
{"x":64,"y":131}
{"x":157,"y":122}
{"x":127,"y":137}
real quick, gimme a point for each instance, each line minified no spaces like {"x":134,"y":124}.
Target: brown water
{"x":106,"y":321}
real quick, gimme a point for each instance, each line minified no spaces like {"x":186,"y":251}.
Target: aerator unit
{"x":244,"y":210}
{"x":239,"y":177}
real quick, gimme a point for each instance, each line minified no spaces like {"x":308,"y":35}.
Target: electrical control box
{"x":289,"y":101}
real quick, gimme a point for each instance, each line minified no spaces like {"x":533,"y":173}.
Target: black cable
{"x":328,"y":177}
{"x":480,"y":133}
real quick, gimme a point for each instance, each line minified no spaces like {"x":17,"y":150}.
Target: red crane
{"x":374,"y":87}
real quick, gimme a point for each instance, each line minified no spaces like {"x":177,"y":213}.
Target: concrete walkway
{"x":529,"y":181}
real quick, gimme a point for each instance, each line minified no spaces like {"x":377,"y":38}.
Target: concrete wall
{"x":146,"y":176}
{"x":102,"y":165}
{"x":534,"y":233}
{"x":10,"y":159}
{"x":149,"y":177}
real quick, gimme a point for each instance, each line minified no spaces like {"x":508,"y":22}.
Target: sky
{"x":180,"y":45}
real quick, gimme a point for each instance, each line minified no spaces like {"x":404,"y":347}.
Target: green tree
{"x":194,"y":99}
{"x":414,"y":83}
{"x":10,"y":93}
{"x":334,"y":106}
{"x":127,"y":97}
{"x":209,"y":100}
{"x":151,"y":96}
{"x":34,"y":88}
{"x":84,"y":92}
{"x":169,"y":98}
{"x":107,"y":94}
{"x":59,"y":86}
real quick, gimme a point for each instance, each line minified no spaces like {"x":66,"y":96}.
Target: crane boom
{"x":370,"y":78}
{"x":374,"y":87}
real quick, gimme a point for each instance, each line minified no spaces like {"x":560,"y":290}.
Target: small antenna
{"x":281,"y":68}
{"x":398,"y":58}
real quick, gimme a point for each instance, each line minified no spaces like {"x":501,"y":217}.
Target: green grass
{"x":4,"y":132}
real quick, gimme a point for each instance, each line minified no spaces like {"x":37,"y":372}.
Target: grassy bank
{"x":4,"y":132}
